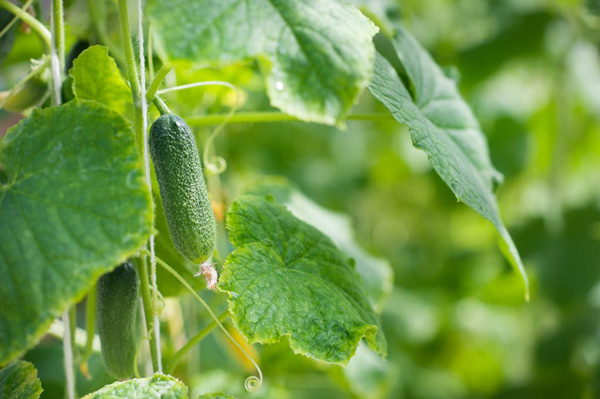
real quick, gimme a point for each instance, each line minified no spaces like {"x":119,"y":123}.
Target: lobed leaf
{"x":286,"y":278}
{"x":376,"y":275}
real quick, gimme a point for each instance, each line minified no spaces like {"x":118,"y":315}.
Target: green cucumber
{"x":183,"y":191}
{"x":116,"y":309}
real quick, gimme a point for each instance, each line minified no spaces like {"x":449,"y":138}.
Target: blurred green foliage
{"x":456,"y":322}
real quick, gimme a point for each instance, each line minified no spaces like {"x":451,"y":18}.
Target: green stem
{"x":262,"y":117}
{"x":147,"y":301}
{"x":68,"y":356}
{"x":29,"y":20}
{"x":193,"y":342}
{"x":37,"y":70}
{"x":73,"y":328}
{"x":161,"y":106}
{"x":90,"y":321}
{"x":59,"y":31}
{"x":158,"y":79}
{"x":16,"y":18}
{"x":132,"y":75}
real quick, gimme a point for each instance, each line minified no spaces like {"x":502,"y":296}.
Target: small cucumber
{"x":116,"y":309}
{"x":183,"y":192}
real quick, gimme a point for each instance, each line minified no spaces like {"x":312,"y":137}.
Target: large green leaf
{"x":444,"y":127}
{"x":73,"y":206}
{"x":286,"y":278}
{"x":20,"y":381}
{"x":97,"y":78}
{"x":376,"y":276}
{"x":319,"y":53}
{"x":157,"y":387}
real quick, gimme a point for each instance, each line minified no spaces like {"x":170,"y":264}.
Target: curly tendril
{"x":252,"y":383}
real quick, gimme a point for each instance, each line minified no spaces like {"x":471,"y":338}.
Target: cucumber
{"x":183,"y":191}
{"x":116,"y":308}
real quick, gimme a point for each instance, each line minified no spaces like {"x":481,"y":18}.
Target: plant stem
{"x":270,"y":116}
{"x":68,"y":356}
{"x":132,"y":75}
{"x":147,"y":301}
{"x":194,"y":341}
{"x":59,"y":32}
{"x":73,"y":327}
{"x":36,"y":70}
{"x":57,"y":60}
{"x":139,"y":127}
{"x":29,"y":20}
{"x":144,"y":109}
{"x":90,"y":321}
{"x":158,"y":79}
{"x":16,"y":18}
{"x":160,"y":105}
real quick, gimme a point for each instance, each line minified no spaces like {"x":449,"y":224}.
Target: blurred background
{"x":454,"y":313}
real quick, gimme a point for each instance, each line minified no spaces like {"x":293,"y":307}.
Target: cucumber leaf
{"x":74,"y":206}
{"x":286,"y":278}
{"x":158,"y":386}
{"x":376,"y":275}
{"x":318,"y":54}
{"x":20,"y":381}
{"x":444,"y":127}
{"x":97,"y":78}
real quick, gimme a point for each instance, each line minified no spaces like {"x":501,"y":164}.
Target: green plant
{"x":86,"y":184}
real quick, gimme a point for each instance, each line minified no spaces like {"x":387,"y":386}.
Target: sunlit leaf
{"x":97,"y":78}
{"x":157,"y":387}
{"x":318,"y":54}
{"x":376,"y":276}
{"x":20,"y":381}
{"x":286,"y":278}
{"x":444,"y":127}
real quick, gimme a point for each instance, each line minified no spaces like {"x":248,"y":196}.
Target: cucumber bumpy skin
{"x":183,"y":191}
{"x":116,"y":309}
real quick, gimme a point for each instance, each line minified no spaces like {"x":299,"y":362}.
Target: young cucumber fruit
{"x":183,"y":191}
{"x":116,"y":309}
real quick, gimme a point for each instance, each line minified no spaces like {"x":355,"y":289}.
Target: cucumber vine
{"x":123,"y":189}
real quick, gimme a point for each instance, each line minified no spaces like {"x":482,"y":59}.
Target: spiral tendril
{"x":252,"y":383}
